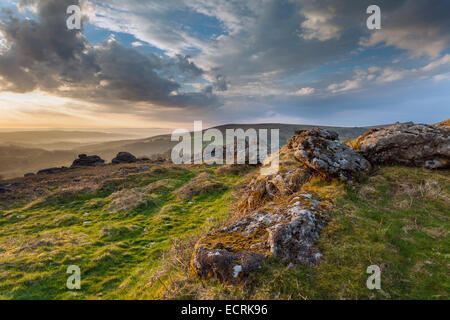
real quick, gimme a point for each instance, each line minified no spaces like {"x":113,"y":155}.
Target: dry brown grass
{"x":127,"y":199}
{"x":89,"y":179}
{"x":203,"y":183}
{"x":428,"y":189}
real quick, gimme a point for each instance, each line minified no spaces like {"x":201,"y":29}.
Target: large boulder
{"x":322,"y":151}
{"x":87,"y":161}
{"x":407,"y":144}
{"x":124,"y":157}
{"x":287,"y":231}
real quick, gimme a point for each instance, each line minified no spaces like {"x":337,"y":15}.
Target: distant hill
{"x":162,"y":143}
{"x":58,"y":139}
{"x":26,"y":151}
{"x":16,"y":161}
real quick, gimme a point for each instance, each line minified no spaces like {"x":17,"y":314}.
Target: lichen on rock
{"x":286,"y":230}
{"x":407,"y":144}
{"x":320,"y":150}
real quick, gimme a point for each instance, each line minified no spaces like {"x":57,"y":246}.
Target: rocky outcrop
{"x":284,"y":183}
{"x":320,"y":150}
{"x":124,"y":157}
{"x":275,"y":218}
{"x":407,"y":144}
{"x":287,"y":231}
{"x":444,"y":124}
{"x":87,"y":161}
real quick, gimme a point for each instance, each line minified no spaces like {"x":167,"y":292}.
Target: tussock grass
{"x":369,"y":226}
{"x":116,"y":251}
{"x":398,"y":219}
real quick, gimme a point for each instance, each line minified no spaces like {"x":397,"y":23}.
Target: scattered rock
{"x":88,"y":161}
{"x":124,"y":157}
{"x":52,"y":170}
{"x":320,"y":150}
{"x":3,"y":191}
{"x":407,"y":144}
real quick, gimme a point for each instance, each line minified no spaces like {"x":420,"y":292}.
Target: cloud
{"x":226,"y":58}
{"x":420,"y":26}
{"x":305,"y":91}
{"x":44,"y":55}
{"x":318,"y":25}
{"x":436,"y":69}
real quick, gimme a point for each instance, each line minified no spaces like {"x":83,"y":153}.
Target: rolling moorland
{"x":24,"y":152}
{"x":135,"y":230}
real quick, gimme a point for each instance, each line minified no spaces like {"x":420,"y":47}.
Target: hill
{"x":133,"y":229}
{"x":29,"y":151}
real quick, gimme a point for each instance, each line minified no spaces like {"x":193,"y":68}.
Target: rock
{"x":223,"y":265}
{"x":287,"y":231}
{"x":124,"y":157}
{"x":444,"y":124}
{"x":320,"y":150}
{"x":264,"y":189}
{"x":52,"y":170}
{"x":293,"y":242}
{"x":407,"y":144}
{"x":87,"y":161}
{"x":31,"y":174}
{"x":3,"y":191}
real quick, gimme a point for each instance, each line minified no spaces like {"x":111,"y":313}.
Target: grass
{"x":398,"y":220}
{"x":140,"y":248}
{"x":116,"y":234}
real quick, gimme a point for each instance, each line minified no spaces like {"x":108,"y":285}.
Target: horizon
{"x":111,"y":130}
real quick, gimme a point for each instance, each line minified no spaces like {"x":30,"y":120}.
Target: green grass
{"x":39,"y":242}
{"x":397,"y":219}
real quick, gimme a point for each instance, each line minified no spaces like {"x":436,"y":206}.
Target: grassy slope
{"x":398,"y":219}
{"x":39,"y":242}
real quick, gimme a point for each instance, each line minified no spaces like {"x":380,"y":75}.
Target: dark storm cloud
{"x":285,"y":38}
{"x":298,"y":57}
{"x":45,"y":55}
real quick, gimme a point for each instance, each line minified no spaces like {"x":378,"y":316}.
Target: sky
{"x":167,"y":63}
